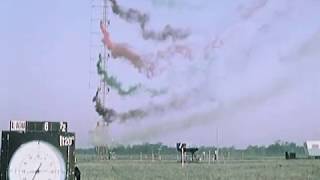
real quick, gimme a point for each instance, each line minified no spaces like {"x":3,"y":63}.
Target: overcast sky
{"x":261,"y":84}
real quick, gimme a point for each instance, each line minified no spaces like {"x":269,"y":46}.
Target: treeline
{"x":276,"y":149}
{"x":145,"y":148}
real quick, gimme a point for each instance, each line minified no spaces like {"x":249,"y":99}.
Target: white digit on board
{"x":62,"y":127}
{"x":46,"y":126}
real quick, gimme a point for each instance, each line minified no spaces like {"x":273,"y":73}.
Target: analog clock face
{"x":37,"y":160}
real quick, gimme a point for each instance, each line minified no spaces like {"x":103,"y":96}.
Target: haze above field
{"x":258,"y":82}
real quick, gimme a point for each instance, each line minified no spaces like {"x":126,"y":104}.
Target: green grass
{"x":270,"y":169}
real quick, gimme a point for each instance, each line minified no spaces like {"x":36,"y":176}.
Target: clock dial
{"x":37,"y":160}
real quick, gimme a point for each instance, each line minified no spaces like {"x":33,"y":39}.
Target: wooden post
{"x":217,"y":154}
{"x":140,"y":156}
{"x":182,"y":157}
{"x":209,"y":157}
{"x":152,"y":156}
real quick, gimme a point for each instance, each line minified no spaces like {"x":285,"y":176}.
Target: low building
{"x":312,"y":149}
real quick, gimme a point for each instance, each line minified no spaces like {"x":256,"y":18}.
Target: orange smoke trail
{"x":121,"y":50}
{"x":169,"y":52}
{"x":142,"y":63}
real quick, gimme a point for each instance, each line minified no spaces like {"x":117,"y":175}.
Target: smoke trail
{"x":120,"y":50}
{"x":247,"y":12}
{"x":167,"y":32}
{"x":110,"y":115}
{"x":143,"y":63}
{"x":132,"y":15}
{"x":169,"y":52}
{"x":248,"y":76}
{"x":107,"y":114}
{"x":207,"y":115}
{"x":132,"y":114}
{"x":113,"y":82}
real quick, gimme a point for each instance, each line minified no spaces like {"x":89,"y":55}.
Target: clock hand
{"x":37,"y":171}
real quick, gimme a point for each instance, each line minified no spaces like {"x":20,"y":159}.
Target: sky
{"x":253,"y":77}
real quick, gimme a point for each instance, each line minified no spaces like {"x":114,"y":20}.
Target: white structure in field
{"x":312,"y":148}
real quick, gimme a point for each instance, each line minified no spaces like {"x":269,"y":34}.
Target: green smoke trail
{"x":109,"y":115}
{"x":113,"y":82}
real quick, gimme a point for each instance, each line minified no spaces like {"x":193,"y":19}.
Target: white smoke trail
{"x":267,"y":52}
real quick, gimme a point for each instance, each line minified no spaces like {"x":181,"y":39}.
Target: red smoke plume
{"x":121,"y":50}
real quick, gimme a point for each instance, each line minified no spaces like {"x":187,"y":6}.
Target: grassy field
{"x":268,"y":169}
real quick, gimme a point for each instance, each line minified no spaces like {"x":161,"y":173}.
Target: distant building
{"x":312,"y":148}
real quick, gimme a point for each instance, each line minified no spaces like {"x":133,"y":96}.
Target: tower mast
{"x":104,"y":53}
{"x":99,"y":15}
